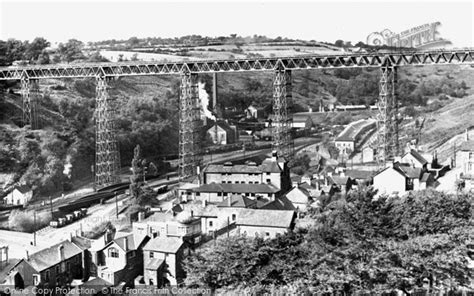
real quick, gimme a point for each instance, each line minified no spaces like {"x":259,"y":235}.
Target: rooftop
{"x":417,"y":156}
{"x":266,"y":218}
{"x":238,"y":201}
{"x":49,"y":257}
{"x":467,"y":146}
{"x":237,"y":188}
{"x":132,"y":240}
{"x":164,"y":244}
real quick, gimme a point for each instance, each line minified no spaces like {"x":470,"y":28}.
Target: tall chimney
{"x":214,"y":92}
{"x":61,"y":253}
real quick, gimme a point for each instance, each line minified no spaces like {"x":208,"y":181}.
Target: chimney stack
{"x":61,"y":253}
{"x":125,"y":243}
{"x":27,"y":255}
{"x":229,"y":201}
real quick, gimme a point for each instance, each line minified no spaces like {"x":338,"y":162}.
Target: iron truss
{"x":258,"y":64}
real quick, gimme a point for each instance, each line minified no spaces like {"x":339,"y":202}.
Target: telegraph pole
{"x":116,"y":205}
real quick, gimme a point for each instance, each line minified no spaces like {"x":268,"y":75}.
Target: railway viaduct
{"x":107,"y":152}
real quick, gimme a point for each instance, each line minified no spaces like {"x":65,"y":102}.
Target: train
{"x":68,"y":218}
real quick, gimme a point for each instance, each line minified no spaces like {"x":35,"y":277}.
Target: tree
{"x":71,"y":51}
{"x":136,"y":179}
{"x":36,"y":49}
{"x":339,"y":43}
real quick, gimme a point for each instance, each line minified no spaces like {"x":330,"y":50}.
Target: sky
{"x":309,"y":20}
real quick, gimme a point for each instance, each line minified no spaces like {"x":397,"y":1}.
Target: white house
{"x":415,"y":159}
{"x":21,"y":195}
{"x":397,"y":179}
{"x":299,"y":197}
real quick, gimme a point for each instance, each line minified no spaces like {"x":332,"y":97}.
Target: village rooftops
{"x":237,"y":188}
{"x":266,"y":218}
{"x":467,"y":146}
{"x":405,"y":170}
{"x":169,"y":245}
{"x":52,"y":256}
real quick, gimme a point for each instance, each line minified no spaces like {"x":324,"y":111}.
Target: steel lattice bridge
{"x":107,"y":155}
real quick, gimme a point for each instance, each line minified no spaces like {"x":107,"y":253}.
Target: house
{"x":20,"y":195}
{"x":361,"y":177}
{"x":174,"y":223}
{"x":238,"y":201}
{"x":415,"y":159}
{"x":299,"y":197}
{"x":465,"y":161}
{"x":269,"y":179}
{"x":265,"y":223}
{"x":163,"y":257}
{"x":272,"y":170}
{"x":216,"y":193}
{"x":399,"y":178}
{"x":345,"y":144}
{"x":55,"y":266}
{"x":221,"y":133}
{"x":339,"y":183}
{"x":256,"y":112}
{"x":301,"y":121}
{"x":368,"y":154}
{"x":120,"y":259}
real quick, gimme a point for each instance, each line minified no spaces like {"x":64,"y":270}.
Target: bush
{"x":25,"y":220}
{"x":99,"y":230}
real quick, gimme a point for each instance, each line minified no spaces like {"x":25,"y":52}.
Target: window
{"x":113,"y":252}
{"x":471,"y":155}
{"x":267,"y":233}
{"x":219,"y":193}
{"x":58,"y":271}
{"x":268,"y":174}
{"x":225,"y":193}
{"x":233,"y":217}
{"x":223,"y":182}
{"x":198,"y":193}
{"x":151,"y":255}
{"x":250,"y":182}
{"x":36,"y":279}
{"x":210,"y":223}
{"x":46,"y":276}
{"x":269,"y":194}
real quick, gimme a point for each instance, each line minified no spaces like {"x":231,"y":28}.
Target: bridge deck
{"x":358,"y":60}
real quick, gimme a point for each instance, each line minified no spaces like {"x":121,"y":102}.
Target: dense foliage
{"x":354,"y":244}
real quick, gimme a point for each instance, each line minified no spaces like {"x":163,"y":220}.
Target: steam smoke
{"x":67,"y":167}
{"x":204,"y":97}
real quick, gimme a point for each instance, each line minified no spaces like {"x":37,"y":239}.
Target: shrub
{"x":98,"y":230}
{"x":25,"y":220}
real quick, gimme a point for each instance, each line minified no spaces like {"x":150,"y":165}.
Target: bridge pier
{"x":107,"y":152}
{"x":387,"y":117}
{"x":189,"y":136}
{"x":30,"y":94}
{"x":281,"y":122}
